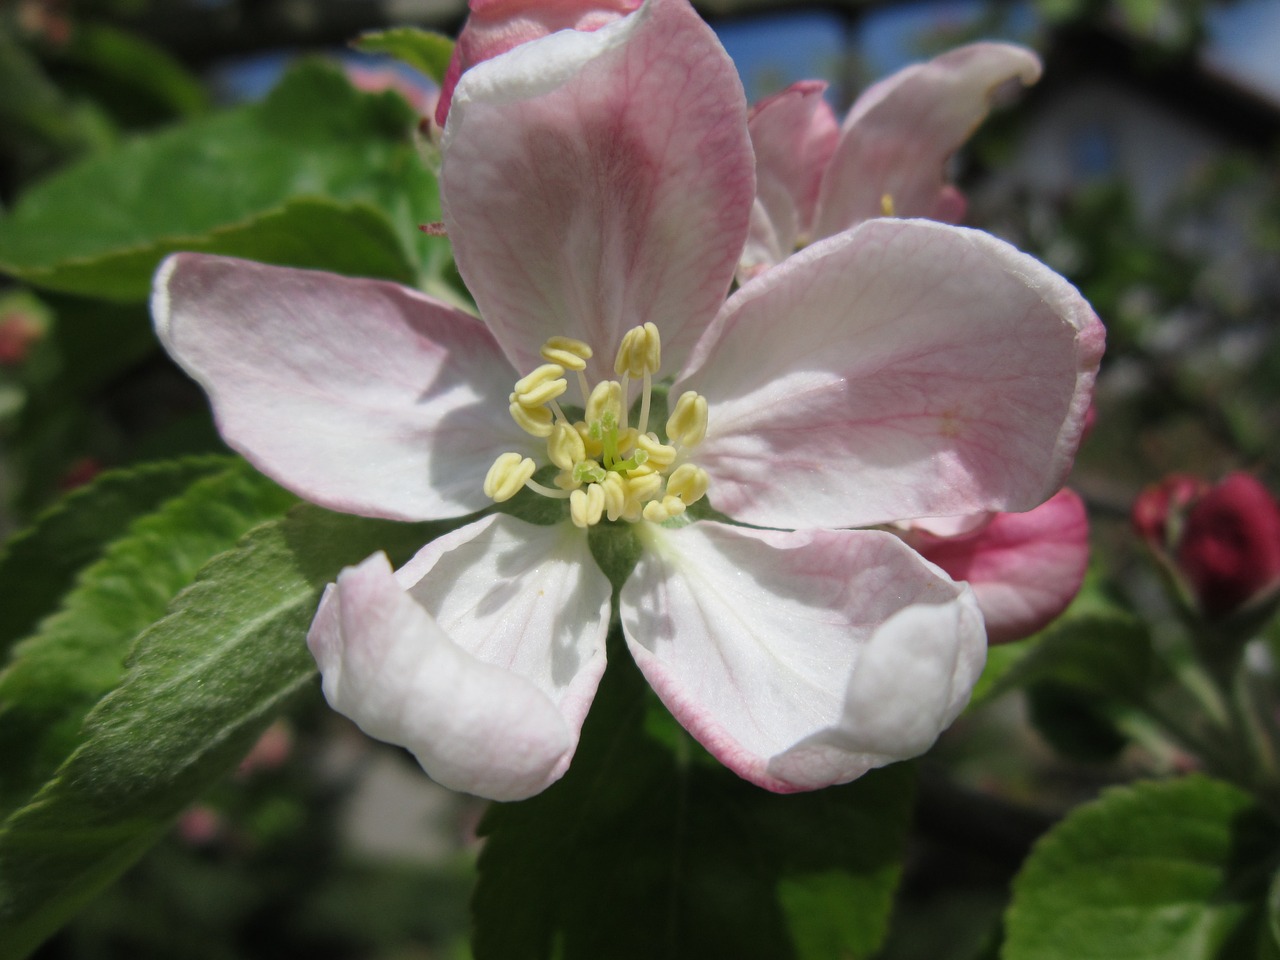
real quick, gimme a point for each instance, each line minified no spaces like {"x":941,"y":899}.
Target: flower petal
{"x":483,"y":665}
{"x":496,"y":26}
{"x":897,"y":138}
{"x":901,"y":369}
{"x":1025,"y":568}
{"x":793,"y":134}
{"x":596,"y":181}
{"x":804,"y":659}
{"x":359,"y":395}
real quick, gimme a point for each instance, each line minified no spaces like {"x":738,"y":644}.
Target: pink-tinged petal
{"x":595,"y":181}
{"x":1025,"y":568}
{"x":801,"y":660}
{"x":481,"y":655}
{"x":793,"y":134}
{"x":901,"y":369}
{"x":359,"y":395}
{"x":496,"y":26}
{"x":899,"y":134}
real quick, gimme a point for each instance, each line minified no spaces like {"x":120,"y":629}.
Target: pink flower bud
{"x":1229,"y":551}
{"x":1159,"y":510}
{"x":496,"y":26}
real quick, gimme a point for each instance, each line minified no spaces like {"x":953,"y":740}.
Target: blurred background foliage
{"x":1144,"y":167}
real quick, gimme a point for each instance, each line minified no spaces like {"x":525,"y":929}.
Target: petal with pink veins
{"x":793,"y":134}
{"x":897,"y":138}
{"x":901,"y":369}
{"x":1025,"y":568}
{"x":359,"y":395}
{"x":596,"y":181}
{"x":481,"y":655}
{"x":801,"y":659}
{"x":496,"y":26}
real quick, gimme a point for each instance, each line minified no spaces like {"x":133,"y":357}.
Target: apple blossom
{"x":597,"y":190}
{"x":817,"y":177}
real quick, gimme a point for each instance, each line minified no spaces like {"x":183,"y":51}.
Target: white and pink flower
{"x":597,"y":189}
{"x":818,"y":176}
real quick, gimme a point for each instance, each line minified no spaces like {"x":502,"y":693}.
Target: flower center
{"x":607,"y":468}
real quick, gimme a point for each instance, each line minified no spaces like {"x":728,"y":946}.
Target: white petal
{"x":359,"y":395}
{"x":592,"y":182}
{"x":481,"y":655}
{"x":900,"y":369}
{"x":801,"y":659}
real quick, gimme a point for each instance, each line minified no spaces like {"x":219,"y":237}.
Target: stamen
{"x":688,"y":482}
{"x":536,"y":487}
{"x":535,"y":421}
{"x":565,"y":447}
{"x":544,"y":384}
{"x":569,"y":353}
{"x":644,"y":402}
{"x":615,"y":495}
{"x":604,"y":467}
{"x":586,"y":506}
{"x":687,"y":425}
{"x":886,"y":204}
{"x":656,"y":511}
{"x":508,"y":474}
{"x":660,"y":455}
{"x":640,"y":352}
{"x":606,"y":398}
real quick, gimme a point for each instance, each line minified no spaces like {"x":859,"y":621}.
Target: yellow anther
{"x":886,"y":204}
{"x":640,"y":352}
{"x":643,"y":488}
{"x":687,"y":424}
{"x":564,"y":480}
{"x":615,"y":495}
{"x":688,"y":482}
{"x":507,"y":476}
{"x":660,"y":454}
{"x":544,"y":384}
{"x":606,"y":397}
{"x":586,"y":506}
{"x":536,"y":421}
{"x":656,"y":511}
{"x":569,"y":353}
{"x":565,"y":447}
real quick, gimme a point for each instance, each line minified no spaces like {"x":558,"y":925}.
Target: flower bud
{"x":1159,"y":510}
{"x":1229,"y":548}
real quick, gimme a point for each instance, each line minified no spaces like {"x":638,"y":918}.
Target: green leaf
{"x":314,"y":169}
{"x":421,"y":49}
{"x":39,"y":564}
{"x":202,"y":684}
{"x":648,"y":853}
{"x":1174,"y":870}
{"x":300,"y":233}
{"x":78,"y":654}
